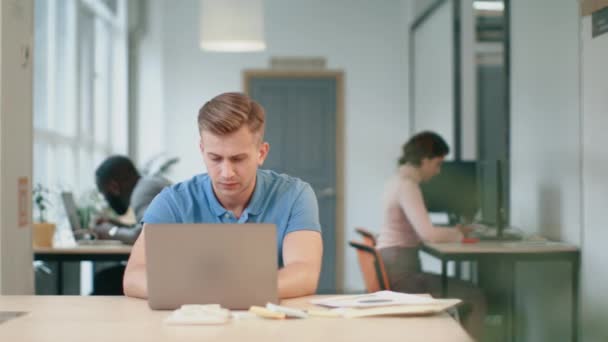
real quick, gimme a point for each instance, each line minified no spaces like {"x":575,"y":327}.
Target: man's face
{"x":232,"y":161}
{"x":115,"y":196}
{"x":430,"y":167}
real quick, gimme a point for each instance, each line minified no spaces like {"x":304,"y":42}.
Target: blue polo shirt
{"x":285,"y":201}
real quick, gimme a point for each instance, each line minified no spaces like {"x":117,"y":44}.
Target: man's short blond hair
{"x":228,"y":112}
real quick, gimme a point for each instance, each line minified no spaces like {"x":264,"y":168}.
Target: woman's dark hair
{"x":423,"y":145}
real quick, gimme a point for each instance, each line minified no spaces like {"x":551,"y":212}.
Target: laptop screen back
{"x":234,"y":265}
{"x":71,"y":210}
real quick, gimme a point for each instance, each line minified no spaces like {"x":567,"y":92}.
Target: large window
{"x":80,"y":90}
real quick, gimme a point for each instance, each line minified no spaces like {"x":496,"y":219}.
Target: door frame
{"x":338,"y":76}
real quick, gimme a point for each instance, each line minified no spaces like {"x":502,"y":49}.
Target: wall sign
{"x":24,"y":198}
{"x":599,"y":22}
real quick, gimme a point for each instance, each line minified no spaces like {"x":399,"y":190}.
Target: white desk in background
{"x":509,"y":253}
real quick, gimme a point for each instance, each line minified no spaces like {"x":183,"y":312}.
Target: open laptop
{"x":82,"y":237}
{"x":234,"y":265}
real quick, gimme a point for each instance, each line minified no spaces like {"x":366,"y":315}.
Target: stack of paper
{"x":386,"y":303}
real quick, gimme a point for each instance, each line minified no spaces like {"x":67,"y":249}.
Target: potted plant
{"x":159,"y":165}
{"x":91,"y":207}
{"x":43,"y":231}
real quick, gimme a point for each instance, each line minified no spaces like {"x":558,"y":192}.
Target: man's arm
{"x":141,"y":200}
{"x":302,"y":254}
{"x":135,"y":279}
{"x":127,"y":235}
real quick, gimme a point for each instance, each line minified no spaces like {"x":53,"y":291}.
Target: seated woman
{"x":407,"y":225}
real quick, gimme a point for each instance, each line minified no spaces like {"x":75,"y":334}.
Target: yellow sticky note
{"x":263,"y":312}
{"x":324,"y":313}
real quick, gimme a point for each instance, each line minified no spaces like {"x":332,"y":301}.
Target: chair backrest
{"x":372,"y":267}
{"x":368,"y":237}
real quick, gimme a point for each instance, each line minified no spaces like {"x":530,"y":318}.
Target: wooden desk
{"x":510,"y":253}
{"x":68,"y":318}
{"x":80,"y":253}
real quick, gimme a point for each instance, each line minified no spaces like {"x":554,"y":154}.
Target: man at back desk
{"x":231,"y":128}
{"x":122,"y":186}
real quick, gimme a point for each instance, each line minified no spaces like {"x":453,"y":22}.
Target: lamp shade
{"x":232,"y":25}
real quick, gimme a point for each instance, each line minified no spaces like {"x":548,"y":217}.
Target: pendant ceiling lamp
{"x":232,"y":25}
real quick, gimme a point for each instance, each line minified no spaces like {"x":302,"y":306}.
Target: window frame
{"x":65,"y":96}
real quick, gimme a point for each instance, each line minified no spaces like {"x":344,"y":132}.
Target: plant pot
{"x":42,"y":235}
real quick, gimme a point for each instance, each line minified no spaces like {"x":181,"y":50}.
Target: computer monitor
{"x":453,"y":191}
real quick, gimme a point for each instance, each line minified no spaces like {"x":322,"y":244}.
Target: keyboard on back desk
{"x":485,"y":233}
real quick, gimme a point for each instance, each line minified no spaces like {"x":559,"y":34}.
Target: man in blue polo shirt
{"x":234,"y":190}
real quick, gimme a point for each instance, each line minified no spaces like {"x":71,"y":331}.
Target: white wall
{"x":16,"y":29}
{"x":434,"y":74}
{"x":559,"y":163}
{"x":545,"y":120}
{"x":146,"y":21}
{"x":433,"y":95}
{"x":595,"y":184}
{"x":545,"y":156}
{"x":365,"y":39}
{"x":420,"y":6}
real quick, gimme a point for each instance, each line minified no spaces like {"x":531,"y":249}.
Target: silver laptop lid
{"x":234,"y":265}
{"x":71,"y":210}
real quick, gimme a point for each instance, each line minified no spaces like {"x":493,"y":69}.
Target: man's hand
{"x":102,"y":231}
{"x":302,"y":254}
{"x":465,"y":230}
{"x":135,"y":283}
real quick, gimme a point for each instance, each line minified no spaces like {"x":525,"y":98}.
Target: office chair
{"x":372,"y":267}
{"x":369,"y":238}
